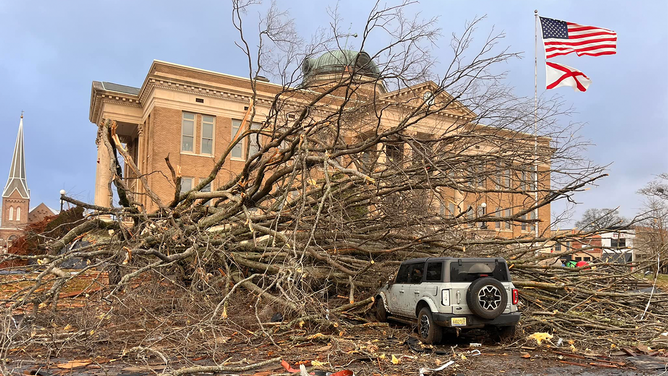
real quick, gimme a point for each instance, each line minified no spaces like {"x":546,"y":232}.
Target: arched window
{"x":18,"y":214}
{"x":11,"y":213}
{"x":11,"y":240}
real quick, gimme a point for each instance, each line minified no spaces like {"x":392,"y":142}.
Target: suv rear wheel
{"x":487,"y":297}
{"x":428,"y":331}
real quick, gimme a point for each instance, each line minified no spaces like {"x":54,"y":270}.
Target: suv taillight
{"x":445,"y":297}
{"x":516,"y":296}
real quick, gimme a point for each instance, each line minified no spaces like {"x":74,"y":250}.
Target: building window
{"x":207,"y":135}
{"x":507,"y":181}
{"x":479,"y":175}
{"x":18,"y":214}
{"x":509,"y":213}
{"x":533,"y":217}
{"x":498,"y":180}
{"x":497,"y":213}
{"x":11,"y":213}
{"x":255,"y":140}
{"x":253,"y":143}
{"x":480,"y":212}
{"x":614,"y":243}
{"x":394,"y":152}
{"x":557,"y":247}
{"x":524,"y":224}
{"x":206,"y":188}
{"x":186,"y":184}
{"x":238,"y":149}
{"x":187,"y":132}
{"x":523,"y":182}
{"x":368,"y":158}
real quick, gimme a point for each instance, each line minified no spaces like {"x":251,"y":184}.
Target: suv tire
{"x":487,"y":298}
{"x":379,"y":310}
{"x":428,"y":331}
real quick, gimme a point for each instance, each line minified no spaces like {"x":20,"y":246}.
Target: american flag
{"x":562,"y":38}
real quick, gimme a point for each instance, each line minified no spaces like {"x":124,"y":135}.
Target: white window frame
{"x":18,"y":213}
{"x":11,"y":213}
{"x":213,"y":134}
{"x":183,"y":180}
{"x":194,"y":135}
{"x":254,"y":148}
{"x":240,"y":145}
{"x":245,"y":144}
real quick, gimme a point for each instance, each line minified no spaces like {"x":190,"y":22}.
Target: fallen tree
{"x":331,"y":201}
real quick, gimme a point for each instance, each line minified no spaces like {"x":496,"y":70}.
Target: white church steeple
{"x":17,"y":171}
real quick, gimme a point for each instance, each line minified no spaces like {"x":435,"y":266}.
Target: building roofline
{"x":157,"y":62}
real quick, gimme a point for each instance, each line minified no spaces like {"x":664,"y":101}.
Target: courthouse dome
{"x":340,"y":61}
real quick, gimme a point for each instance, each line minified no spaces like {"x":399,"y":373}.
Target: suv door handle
{"x":416,"y":292}
{"x":401,"y":291}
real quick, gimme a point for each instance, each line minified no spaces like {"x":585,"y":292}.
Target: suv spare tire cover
{"x":487,"y":297}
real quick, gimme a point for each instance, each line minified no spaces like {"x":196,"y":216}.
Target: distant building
{"x":16,"y":213}
{"x":615,"y":245}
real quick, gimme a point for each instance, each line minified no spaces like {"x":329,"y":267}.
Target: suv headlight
{"x":445,"y":297}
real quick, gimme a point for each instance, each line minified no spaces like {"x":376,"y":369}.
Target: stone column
{"x":103,"y":194}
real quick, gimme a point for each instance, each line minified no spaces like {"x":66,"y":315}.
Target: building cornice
{"x":99,"y":95}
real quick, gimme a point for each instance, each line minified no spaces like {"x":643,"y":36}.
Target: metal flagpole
{"x":535,"y":121}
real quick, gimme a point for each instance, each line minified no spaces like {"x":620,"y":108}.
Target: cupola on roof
{"x":340,"y":61}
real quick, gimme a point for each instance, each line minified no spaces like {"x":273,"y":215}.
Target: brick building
{"x":191,"y":114}
{"x":16,"y":213}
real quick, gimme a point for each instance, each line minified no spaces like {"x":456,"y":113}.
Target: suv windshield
{"x":470,"y":271}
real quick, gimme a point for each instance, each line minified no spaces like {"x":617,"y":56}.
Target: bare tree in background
{"x":652,"y":228}
{"x":600,"y":219}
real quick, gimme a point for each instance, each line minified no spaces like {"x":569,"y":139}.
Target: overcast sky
{"x":51,"y":51}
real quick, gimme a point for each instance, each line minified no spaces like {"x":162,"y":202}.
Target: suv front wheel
{"x":428,"y":331}
{"x":379,"y":310}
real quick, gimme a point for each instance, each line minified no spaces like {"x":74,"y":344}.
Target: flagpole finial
{"x":21,"y":114}
{"x":535,"y":11}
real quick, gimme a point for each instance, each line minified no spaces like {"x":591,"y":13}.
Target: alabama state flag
{"x":558,"y":75}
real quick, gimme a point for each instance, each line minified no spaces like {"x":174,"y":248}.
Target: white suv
{"x":454,"y":293}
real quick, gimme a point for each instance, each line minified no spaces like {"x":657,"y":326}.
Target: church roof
{"x":17,"y":171}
